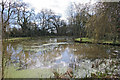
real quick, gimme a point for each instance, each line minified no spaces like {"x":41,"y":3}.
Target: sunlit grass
{"x":16,"y":39}
{"x":117,"y":42}
{"x":19,"y":38}
{"x":92,"y":40}
{"x":84,"y":39}
{"x":107,"y":42}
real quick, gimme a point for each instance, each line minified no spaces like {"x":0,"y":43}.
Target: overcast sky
{"x":58,"y":6}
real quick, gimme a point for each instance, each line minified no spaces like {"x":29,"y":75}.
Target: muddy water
{"x":40,"y":57}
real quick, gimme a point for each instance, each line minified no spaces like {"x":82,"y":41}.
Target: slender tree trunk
{"x":2,"y":40}
{"x":0,"y":46}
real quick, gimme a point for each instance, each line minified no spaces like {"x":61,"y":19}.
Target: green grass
{"x":16,"y":39}
{"x":84,"y":39}
{"x":107,"y":42}
{"x":92,"y":40}
{"x":19,"y":38}
{"x":117,"y":42}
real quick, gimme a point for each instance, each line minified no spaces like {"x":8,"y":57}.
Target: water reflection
{"x":54,"y":53}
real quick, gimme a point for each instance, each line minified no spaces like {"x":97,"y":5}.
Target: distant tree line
{"x":98,"y":21}
{"x":104,"y":23}
{"x":19,"y":21}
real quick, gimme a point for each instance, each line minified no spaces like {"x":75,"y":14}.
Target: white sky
{"x":58,"y":6}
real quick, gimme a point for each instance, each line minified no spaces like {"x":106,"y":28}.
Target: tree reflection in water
{"x":83,"y":59}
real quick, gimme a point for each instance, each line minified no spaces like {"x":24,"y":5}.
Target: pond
{"x":41,"y":57}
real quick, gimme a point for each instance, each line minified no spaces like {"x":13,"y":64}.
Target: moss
{"x":11,"y":72}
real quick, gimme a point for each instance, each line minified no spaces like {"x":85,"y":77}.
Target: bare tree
{"x":79,"y":13}
{"x":104,"y":23}
{"x":6,"y":13}
{"x":23,"y":16}
{"x":7,"y":10}
{"x":44,"y":18}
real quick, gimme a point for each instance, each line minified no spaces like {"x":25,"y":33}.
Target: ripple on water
{"x":84,"y":59}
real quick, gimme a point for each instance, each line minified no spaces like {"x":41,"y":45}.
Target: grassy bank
{"x":14,"y":39}
{"x":87,"y":40}
{"x":17,"y":39}
{"x":84,"y":39}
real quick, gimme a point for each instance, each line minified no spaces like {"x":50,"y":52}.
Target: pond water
{"x":41,"y":57}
